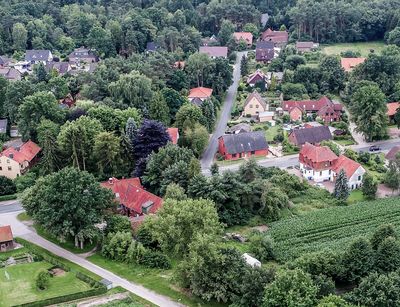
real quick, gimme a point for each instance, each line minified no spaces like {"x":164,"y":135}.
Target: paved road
{"x":10,"y":206}
{"x":208,"y":155}
{"x":21,"y":230}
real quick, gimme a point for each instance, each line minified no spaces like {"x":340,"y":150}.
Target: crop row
{"x":333,"y":227}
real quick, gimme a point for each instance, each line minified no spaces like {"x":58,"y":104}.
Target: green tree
{"x":357,"y":260}
{"x":7,"y":186}
{"x":290,"y":288}
{"x":76,"y":140}
{"x":117,"y":223}
{"x":394,"y":37}
{"x":388,"y":255}
{"x":332,"y":146}
{"x":368,"y":107}
{"x":226,"y":31}
{"x":333,"y":301}
{"x":196,"y":139}
{"x":59,"y":87}
{"x":262,"y":247}
{"x":174,"y":101}
{"x":68,"y":204}
{"x":100,"y":39}
{"x":106,"y":151}
{"x":175,"y":191}
{"x":19,"y":36}
{"x":116,"y":245}
{"x":381,"y":233}
{"x":159,"y":109}
{"x":369,"y":186}
{"x":179,"y":222}
{"x":341,"y":190}
{"x":199,"y":65}
{"x":214,"y":169}
{"x":47,"y":133}
{"x":332,"y":74}
{"x":41,"y":105}
{"x":392,"y":176}
{"x":187,"y":116}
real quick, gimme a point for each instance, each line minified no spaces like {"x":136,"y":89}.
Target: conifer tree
{"x":341,"y":190}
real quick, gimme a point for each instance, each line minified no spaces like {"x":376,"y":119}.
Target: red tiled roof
{"x":247,"y":36}
{"x":257,"y":74}
{"x":275,"y":36}
{"x":349,"y":63}
{"x":132,"y":195}
{"x":200,"y":92}
{"x":173,"y":134}
{"x":26,"y":152}
{"x":392,"y":108}
{"x":349,"y":166}
{"x":317,"y":153}
{"x":311,"y":105}
{"x":6,"y":234}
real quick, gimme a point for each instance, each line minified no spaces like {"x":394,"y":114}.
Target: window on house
{"x":359,"y":178}
{"x":257,"y":106}
{"x":1,"y":168}
{"x":253,"y":152}
{"x":251,"y":106}
{"x":8,"y":160}
{"x":330,"y":172}
{"x":9,"y":168}
{"x":320,"y":173}
{"x":234,"y":156}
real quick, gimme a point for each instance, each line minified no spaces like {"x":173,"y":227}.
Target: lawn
{"x":355,"y":196}
{"x":333,"y":227}
{"x":157,"y":280}
{"x":21,"y":286}
{"x":345,"y":142}
{"x":362,"y":47}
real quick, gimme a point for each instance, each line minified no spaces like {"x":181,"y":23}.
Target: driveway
{"x":21,"y":230}
{"x":208,"y":155}
{"x":10,"y":206}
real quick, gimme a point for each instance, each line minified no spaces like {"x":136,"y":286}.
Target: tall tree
{"x":341,"y":190}
{"x":19,"y":36}
{"x":106,"y":151}
{"x":47,"y":137}
{"x":159,"y":110}
{"x":369,"y":186}
{"x":392,"y":177}
{"x":199,"y":65}
{"x":369,"y":109}
{"x":68,"y":204}
{"x":225,"y":34}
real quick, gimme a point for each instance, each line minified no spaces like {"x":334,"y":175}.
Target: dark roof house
{"x":35,"y":56}
{"x":313,"y":135}
{"x":279,"y":38}
{"x":61,"y":67}
{"x":393,"y":152}
{"x":83,"y":54}
{"x":214,"y":52}
{"x":152,"y":47}
{"x":10,"y":73}
{"x":3,"y":126}
{"x":306,"y":46}
{"x":239,"y":128}
{"x":4,"y":61}
{"x":264,"y":51}
{"x":244,"y":142}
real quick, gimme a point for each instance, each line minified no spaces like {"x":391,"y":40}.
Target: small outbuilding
{"x":251,"y":261}
{"x":6,"y":238}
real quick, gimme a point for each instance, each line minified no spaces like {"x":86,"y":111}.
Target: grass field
{"x":21,"y":286}
{"x":362,"y":47}
{"x":332,"y":227}
{"x":355,"y":196}
{"x":159,"y":281}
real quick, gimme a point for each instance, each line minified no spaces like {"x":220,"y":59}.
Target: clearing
{"x":362,"y":47}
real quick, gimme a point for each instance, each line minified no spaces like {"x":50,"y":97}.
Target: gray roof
{"x":4,"y":60}
{"x":11,"y":74}
{"x":245,"y":142}
{"x":264,"y":19}
{"x":37,"y":55}
{"x":239,"y":128}
{"x":152,"y":46}
{"x":304,"y":44}
{"x":391,"y":155}
{"x":265,"y":45}
{"x":61,"y":67}
{"x":257,"y":96}
{"x":3,"y":125}
{"x":82,"y":53}
{"x":214,"y":51}
{"x":265,"y":51}
{"x":312,"y":135}
{"x":197,"y":101}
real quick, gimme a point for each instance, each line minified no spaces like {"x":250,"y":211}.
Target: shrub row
{"x":8,"y":197}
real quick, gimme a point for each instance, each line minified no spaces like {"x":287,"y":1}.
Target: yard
{"x":362,"y":47}
{"x":21,"y":287}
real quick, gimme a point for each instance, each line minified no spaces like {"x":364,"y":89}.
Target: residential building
{"x":198,"y":95}
{"x":152,"y":47}
{"x":4,"y":61}
{"x":254,"y":105}
{"x":348,"y":64}
{"x":303,"y":47}
{"x":314,"y":135}
{"x":6,"y":238}
{"x":38,"y":56}
{"x":277,"y":75}
{"x":319,"y":163}
{"x":83,"y":55}
{"x":3,"y":126}
{"x":392,"y":108}
{"x":239,"y":128}
{"x":265,"y":51}
{"x":279,"y":38}
{"x":209,"y":41}
{"x":242,"y":145}
{"x":10,"y":73}
{"x":244,"y":36}
{"x":16,"y":161}
{"x":214,"y":51}
{"x":256,"y":78}
{"x":325,"y":109}
{"x":173,"y":135}
{"x":393,"y":153}
{"x":61,"y":68}
{"x":296,"y":114}
{"x":133,"y":200}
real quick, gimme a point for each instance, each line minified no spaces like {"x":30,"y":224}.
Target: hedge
{"x":98,"y":288}
{"x":8,"y":197}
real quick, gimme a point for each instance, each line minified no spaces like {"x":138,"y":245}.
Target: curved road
{"x":208,"y":155}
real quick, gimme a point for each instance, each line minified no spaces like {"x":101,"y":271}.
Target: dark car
{"x":374,"y":148}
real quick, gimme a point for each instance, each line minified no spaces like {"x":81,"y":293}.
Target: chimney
{"x":110,"y":180}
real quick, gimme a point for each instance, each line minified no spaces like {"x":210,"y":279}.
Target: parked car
{"x":374,"y":148}
{"x":318,"y":185}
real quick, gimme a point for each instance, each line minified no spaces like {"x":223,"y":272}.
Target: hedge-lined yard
{"x":333,"y":227}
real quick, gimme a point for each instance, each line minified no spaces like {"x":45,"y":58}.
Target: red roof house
{"x":174,"y":135}
{"x":392,"y":108}
{"x":279,"y":38}
{"x":246,"y":36}
{"x":133,"y":199}
{"x":214,"y":52}
{"x":198,"y":94}
{"x":327,"y":110}
{"x":393,"y":152}
{"x":349,"y":166}
{"x":348,"y":64}
{"x":6,"y":238}
{"x":256,"y":77}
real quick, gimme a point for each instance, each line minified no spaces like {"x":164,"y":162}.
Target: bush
{"x":262,"y":247}
{"x":7,"y":186}
{"x":116,"y":245}
{"x":153,"y":259}
{"x":43,"y":280}
{"x":118,"y":223}
{"x":26,"y":181}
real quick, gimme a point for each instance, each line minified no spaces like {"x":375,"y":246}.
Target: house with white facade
{"x":319,"y":163}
